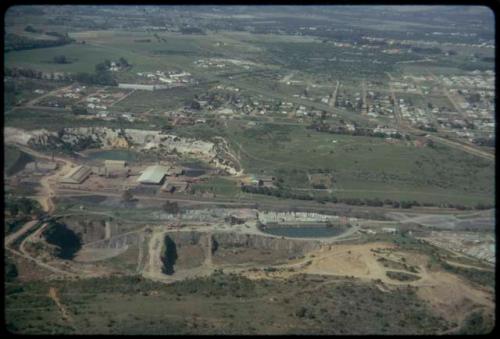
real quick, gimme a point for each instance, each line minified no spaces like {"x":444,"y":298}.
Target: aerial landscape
{"x":249,"y":169}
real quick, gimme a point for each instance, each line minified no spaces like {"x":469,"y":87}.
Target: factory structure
{"x":41,"y":166}
{"x":77,"y":175}
{"x":111,"y":175}
{"x":153,"y":175}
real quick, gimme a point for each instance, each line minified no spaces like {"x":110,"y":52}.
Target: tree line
{"x":375,"y":202}
{"x":327,"y":128}
{"x":15,"y":42}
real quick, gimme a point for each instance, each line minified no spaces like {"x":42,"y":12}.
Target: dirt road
{"x":334,"y":95}
{"x":9,"y":239}
{"x":47,"y":192}
{"x":153,"y":267}
{"x":53,"y":295}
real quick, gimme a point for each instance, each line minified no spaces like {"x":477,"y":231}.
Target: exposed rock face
{"x":292,"y":247}
{"x":212,"y":215}
{"x":188,"y":238}
{"x":77,"y":139}
{"x":119,"y":241}
{"x":88,"y":231}
{"x":291,"y":217}
{"x":225,"y":159}
{"x":17,"y":135}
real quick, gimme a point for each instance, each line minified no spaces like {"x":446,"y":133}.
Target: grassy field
{"x":176,"y":51}
{"x":364,"y":166}
{"x":168,"y":99}
{"x":52,"y":120}
{"x":218,"y":186}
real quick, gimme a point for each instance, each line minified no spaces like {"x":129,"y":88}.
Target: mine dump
{"x":249,"y":170}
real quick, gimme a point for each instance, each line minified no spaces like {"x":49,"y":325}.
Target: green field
{"x":365,"y":166}
{"x":52,"y":120}
{"x":164,"y":100}
{"x":218,"y":186}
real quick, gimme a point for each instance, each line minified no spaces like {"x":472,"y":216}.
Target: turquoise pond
{"x":304,"y":232}
{"x":118,"y":154}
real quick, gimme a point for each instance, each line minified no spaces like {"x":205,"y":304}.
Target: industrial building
{"x":175,"y":170}
{"x":113,"y":167}
{"x":77,"y":175}
{"x":175,"y":186}
{"x":41,"y":167}
{"x":153,"y":175}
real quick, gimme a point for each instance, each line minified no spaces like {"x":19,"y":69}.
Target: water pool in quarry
{"x":304,"y":231}
{"x":115,"y":154}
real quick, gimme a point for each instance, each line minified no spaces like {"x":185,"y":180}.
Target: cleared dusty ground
{"x":449,"y":295}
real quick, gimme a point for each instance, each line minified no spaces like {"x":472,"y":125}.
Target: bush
{"x":301,"y":312}
{"x":60,"y":59}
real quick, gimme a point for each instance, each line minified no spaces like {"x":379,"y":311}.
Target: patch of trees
{"x":191,"y":30}
{"x":61,"y":59}
{"x":27,"y":10}
{"x":476,"y":323}
{"x":56,"y":142}
{"x":171,"y":207}
{"x":10,"y":270}
{"x":489,"y":142}
{"x":339,"y":129}
{"x":427,"y":128}
{"x":79,"y":110}
{"x":234,"y":220}
{"x":15,"y":42}
{"x":30,"y":29}
{"x":66,"y":241}
{"x":423,"y":50}
{"x":127,"y":196}
{"x":475,"y":98}
{"x":122,"y":62}
{"x":401,"y":276}
{"x":22,"y":72}
{"x":102,"y":76}
{"x":33,"y":74}
{"x":485,"y":278}
{"x":22,"y":207}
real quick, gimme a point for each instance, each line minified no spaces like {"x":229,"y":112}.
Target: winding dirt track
{"x":53,"y":295}
{"x":449,"y":295}
{"x":47,"y":192}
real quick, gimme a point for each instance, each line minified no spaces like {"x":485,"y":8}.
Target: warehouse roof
{"x":114,"y":163}
{"x":153,"y":174}
{"x":77,"y":174}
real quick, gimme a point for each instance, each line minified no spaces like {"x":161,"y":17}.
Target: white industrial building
{"x":77,"y":175}
{"x":153,"y":175}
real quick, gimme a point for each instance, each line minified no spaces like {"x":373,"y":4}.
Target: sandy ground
{"x":98,"y":254}
{"x":449,"y":295}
